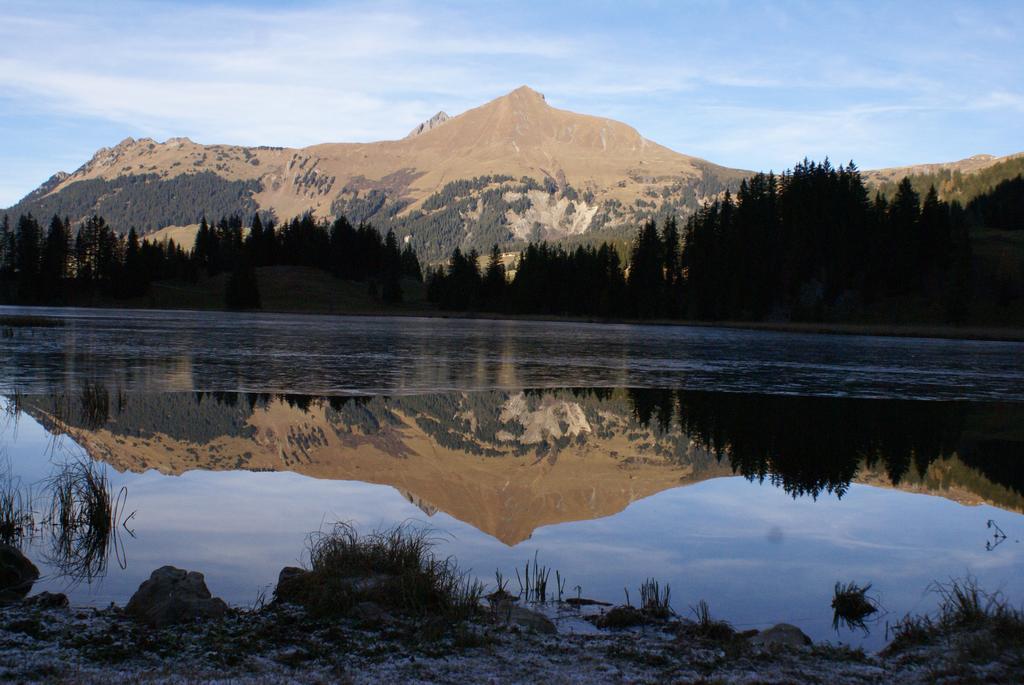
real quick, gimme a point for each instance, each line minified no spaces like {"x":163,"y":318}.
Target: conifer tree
{"x":494,"y":283}
{"x":391,"y":270}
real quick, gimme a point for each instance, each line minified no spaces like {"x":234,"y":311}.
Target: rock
{"x":289,"y":582}
{"x":292,"y":656}
{"x":173,"y":595}
{"x":370,"y":613}
{"x":17,"y":574}
{"x":584,"y":602}
{"x":312,"y":590}
{"x":289,"y":572}
{"x":430,"y":124}
{"x":781,"y":635}
{"x":620,"y":617}
{"x":48,"y":600}
{"x":527,"y":618}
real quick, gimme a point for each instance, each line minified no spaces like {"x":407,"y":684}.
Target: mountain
{"x":511,"y":170}
{"x":505,"y":463}
{"x":430,"y":124}
{"x":970,"y":165}
{"x":961,"y":181}
{"x":510,"y":462}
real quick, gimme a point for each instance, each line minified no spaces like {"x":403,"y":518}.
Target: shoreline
{"x":886,"y":330}
{"x":46,"y":641}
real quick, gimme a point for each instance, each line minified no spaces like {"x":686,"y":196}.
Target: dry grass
{"x":394,"y":568}
{"x":708,"y":627}
{"x":989,"y":624}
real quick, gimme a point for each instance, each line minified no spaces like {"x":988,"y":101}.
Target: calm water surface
{"x":750,"y":469}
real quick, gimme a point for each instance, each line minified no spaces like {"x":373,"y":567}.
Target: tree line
{"x":60,"y":263}
{"x":766,"y":437}
{"x":805,"y":245}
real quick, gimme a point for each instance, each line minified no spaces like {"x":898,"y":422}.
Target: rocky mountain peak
{"x":430,"y":124}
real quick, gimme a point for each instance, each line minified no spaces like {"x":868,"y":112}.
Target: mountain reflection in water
{"x":508,"y":463}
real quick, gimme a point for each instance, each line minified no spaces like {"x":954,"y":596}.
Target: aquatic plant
{"x":95,"y":405}
{"x":15,"y":401}
{"x":851,"y":606}
{"x":17,"y":519}
{"x":83,"y":518}
{"x":654,"y":601}
{"x":533,"y":584}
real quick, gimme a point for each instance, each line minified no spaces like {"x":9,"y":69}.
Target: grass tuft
{"x":991,"y":625}
{"x":708,"y":627}
{"x":851,"y":606}
{"x":83,"y":518}
{"x":654,"y":601}
{"x":394,"y":568}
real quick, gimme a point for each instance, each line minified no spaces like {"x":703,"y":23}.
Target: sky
{"x":744,"y":84}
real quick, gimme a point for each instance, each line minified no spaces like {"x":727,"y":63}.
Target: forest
{"x":807,"y":245}
{"x":47,"y":266}
{"x":810,"y":244}
{"x":145,"y":201}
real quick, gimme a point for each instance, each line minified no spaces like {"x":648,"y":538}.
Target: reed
{"x":851,"y":605}
{"x":708,"y":627}
{"x":655,"y":600}
{"x":533,"y":583}
{"x":17,"y":518}
{"x":83,"y":518}
{"x":95,"y":405}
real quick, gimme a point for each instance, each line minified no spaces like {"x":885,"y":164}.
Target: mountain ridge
{"x":509,"y":171}
{"x":533,"y":171}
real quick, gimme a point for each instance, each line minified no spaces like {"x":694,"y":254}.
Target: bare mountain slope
{"x":512,"y":169}
{"x":969,"y":165}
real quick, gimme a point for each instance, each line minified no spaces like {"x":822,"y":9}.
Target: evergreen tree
{"x":27,"y":257}
{"x":391,"y":270}
{"x":7,"y":248}
{"x":56,"y":260}
{"x":242,"y":289}
{"x":904,"y":238}
{"x":646,"y":280}
{"x":411,"y":264}
{"x":494,"y":283}
{"x":133,"y":281}
{"x":671,"y":250}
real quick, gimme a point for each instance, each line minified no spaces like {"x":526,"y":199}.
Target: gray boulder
{"x":291,"y":585}
{"x":173,"y":595}
{"x":48,"y":600}
{"x":529,"y":619}
{"x":17,"y":574}
{"x":780,"y":635}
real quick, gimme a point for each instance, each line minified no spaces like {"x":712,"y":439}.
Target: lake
{"x":753,"y":470}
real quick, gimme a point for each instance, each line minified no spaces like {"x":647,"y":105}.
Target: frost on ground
{"x":282,"y":643}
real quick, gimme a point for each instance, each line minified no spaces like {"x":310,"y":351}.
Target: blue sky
{"x":745,"y":84}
